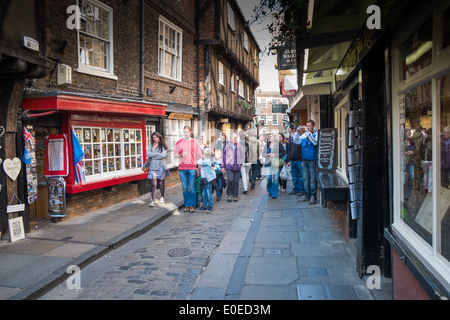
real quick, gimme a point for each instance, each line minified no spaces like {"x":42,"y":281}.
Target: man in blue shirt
{"x":308,"y":140}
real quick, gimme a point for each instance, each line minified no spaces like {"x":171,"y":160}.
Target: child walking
{"x":220,"y":179}
{"x":208,"y":176}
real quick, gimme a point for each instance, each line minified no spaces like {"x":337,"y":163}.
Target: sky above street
{"x":268,"y":77}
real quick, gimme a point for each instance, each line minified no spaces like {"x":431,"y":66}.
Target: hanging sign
{"x":12,"y":167}
{"x":56,"y":159}
{"x":16,"y":207}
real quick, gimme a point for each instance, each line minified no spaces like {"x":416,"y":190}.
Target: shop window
{"x":416,"y":50}
{"x":415,"y":159}
{"x":173,"y":131}
{"x":110,"y":150}
{"x":443,"y":85}
{"x":95,"y":39}
{"x":169,"y":50}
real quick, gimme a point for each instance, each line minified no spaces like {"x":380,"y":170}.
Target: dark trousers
{"x":233,"y":183}
{"x":256,"y":172}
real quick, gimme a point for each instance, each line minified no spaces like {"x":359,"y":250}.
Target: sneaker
{"x":292,"y":192}
{"x":186,"y":209}
{"x":313,"y":200}
{"x":229,"y":199}
{"x":245,"y":192}
{"x":202,"y":208}
{"x":235,"y":199}
{"x":218,"y":198}
{"x":191,"y":209}
{"x":152,"y":204}
{"x":274,"y":197}
{"x":300,"y":194}
{"x":303,"y":199}
{"x":162,"y":200}
{"x":209,"y":210}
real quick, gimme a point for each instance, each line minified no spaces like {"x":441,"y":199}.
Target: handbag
{"x":276,"y":162}
{"x":285,"y":173}
{"x":146,"y":166}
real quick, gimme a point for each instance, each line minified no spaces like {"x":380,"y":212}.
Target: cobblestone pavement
{"x":166,"y":262}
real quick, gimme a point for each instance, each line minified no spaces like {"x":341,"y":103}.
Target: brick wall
{"x":85,"y":202}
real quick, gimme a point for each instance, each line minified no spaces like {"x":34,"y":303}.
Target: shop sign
{"x":287,"y":56}
{"x":180,"y":116}
{"x":107,"y":119}
{"x":279,"y":108}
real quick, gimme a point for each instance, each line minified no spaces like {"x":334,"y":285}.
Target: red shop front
{"x":113,"y":135}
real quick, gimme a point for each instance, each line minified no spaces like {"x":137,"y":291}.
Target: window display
{"x":110,"y":150}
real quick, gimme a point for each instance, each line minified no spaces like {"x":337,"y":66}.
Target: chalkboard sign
{"x":326,"y":151}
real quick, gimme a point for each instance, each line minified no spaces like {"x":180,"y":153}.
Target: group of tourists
{"x":202,"y":168}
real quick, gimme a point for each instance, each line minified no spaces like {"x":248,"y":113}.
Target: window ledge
{"x":97,"y":73}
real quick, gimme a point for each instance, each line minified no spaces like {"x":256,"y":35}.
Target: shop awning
{"x":92,"y":104}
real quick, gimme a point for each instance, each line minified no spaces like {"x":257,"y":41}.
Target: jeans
{"x":233,"y":183}
{"x":309,"y":178}
{"x":272,"y":181}
{"x":245,"y":170}
{"x":297,"y":176}
{"x":187,"y":178}
{"x":207,"y":195}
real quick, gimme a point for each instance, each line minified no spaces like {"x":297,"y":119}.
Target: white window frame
{"x":163,"y":48}
{"x":427,"y":253}
{"x":231,"y":17}
{"x":263,"y":103}
{"x":221,"y":74}
{"x":263,"y":116}
{"x":340,"y":116}
{"x":274,"y":119}
{"x":232,"y":82}
{"x":246,"y":42}
{"x":241,"y":85}
{"x":92,"y":70}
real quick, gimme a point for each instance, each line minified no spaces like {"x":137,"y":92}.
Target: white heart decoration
{"x":12,"y":167}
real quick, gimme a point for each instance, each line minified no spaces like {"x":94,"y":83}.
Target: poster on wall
{"x":56,"y":156}
{"x":56,"y":197}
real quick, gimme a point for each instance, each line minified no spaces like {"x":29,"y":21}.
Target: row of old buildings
{"x":375,"y":77}
{"x":113,"y":72}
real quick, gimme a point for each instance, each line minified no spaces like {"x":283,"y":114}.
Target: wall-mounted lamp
{"x":172,"y":89}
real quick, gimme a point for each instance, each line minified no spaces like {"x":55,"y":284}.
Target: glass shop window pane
{"x":416,"y":50}
{"x":444,"y":143}
{"x":415,"y":160}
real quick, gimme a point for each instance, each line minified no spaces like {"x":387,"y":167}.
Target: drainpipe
{"x":197,"y":29}
{"x":141,"y":54}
